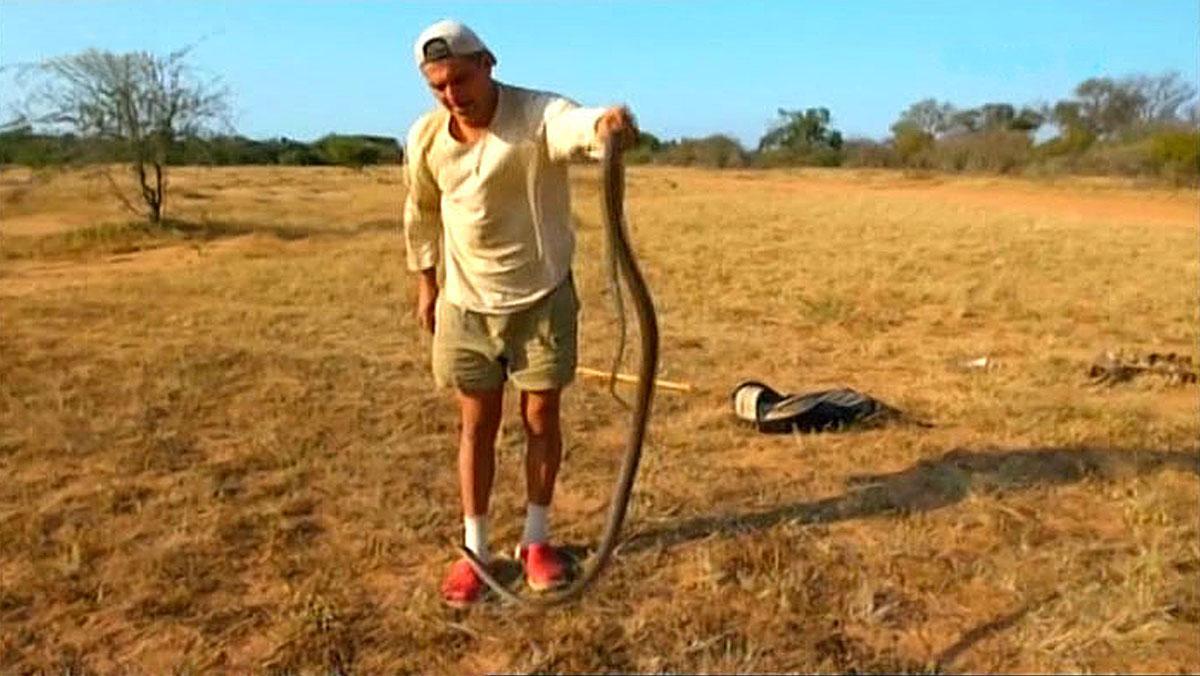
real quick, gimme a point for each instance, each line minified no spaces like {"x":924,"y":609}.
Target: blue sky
{"x":302,"y":69}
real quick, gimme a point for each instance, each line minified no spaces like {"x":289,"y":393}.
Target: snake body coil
{"x":619,"y":248}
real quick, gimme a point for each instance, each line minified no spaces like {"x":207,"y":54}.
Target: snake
{"x":624,"y":263}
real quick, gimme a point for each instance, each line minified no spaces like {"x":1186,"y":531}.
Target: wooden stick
{"x":626,"y":378}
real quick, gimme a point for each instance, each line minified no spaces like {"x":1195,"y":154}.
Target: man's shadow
{"x":929,"y":485}
{"x":926,"y":486}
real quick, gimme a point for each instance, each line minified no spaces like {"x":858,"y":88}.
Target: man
{"x":487,"y":171}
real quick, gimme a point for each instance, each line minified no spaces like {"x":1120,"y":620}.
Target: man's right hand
{"x":618,"y":120}
{"x":427,"y":293}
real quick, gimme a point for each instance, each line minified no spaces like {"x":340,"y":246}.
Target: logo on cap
{"x":436,"y":49}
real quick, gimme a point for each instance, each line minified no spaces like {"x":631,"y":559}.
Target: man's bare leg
{"x":480,"y":414}
{"x":543,"y":443}
{"x":544,"y":568}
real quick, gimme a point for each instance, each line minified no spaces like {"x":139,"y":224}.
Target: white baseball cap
{"x":447,"y":38}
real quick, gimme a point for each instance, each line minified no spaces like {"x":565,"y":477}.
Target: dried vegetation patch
{"x":222,"y":450}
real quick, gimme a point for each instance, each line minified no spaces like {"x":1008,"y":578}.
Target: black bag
{"x":774,"y":413}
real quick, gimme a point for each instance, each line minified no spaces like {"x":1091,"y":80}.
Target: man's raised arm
{"x":572,"y":131}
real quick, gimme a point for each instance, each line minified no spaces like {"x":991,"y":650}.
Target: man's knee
{"x":480,"y":413}
{"x":541,"y":412}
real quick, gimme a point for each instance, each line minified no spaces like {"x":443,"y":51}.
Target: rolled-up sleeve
{"x":422,"y":206}
{"x":571,"y":130}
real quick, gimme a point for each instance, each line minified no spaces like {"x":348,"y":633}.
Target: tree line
{"x":24,"y":145}
{"x":149,"y":112}
{"x":1137,"y":125}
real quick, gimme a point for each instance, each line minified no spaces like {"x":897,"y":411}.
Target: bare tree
{"x":928,"y":116}
{"x":1191,"y":115}
{"x":1163,"y":96}
{"x":1110,"y":107}
{"x":137,"y":103}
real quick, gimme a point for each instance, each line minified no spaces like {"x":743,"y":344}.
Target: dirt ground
{"x":222,"y":450}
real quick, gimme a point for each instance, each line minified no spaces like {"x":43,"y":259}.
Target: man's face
{"x":461,"y":84}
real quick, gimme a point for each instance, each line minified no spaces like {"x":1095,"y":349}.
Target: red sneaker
{"x":544,"y":567}
{"x":462,"y":586}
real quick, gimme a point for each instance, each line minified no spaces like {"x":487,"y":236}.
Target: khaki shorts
{"x":535,"y":347}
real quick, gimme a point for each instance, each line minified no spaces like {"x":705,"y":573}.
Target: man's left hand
{"x":618,"y":120}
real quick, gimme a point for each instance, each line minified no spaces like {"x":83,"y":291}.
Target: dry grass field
{"x":221,"y":449}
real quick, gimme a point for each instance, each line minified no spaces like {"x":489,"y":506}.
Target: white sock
{"x":475,"y":536}
{"x":537,"y":526}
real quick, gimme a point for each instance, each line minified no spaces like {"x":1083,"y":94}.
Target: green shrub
{"x":997,"y":151}
{"x":799,"y":157}
{"x":22,"y":146}
{"x":868,"y":153}
{"x":1176,"y":153}
{"x":643,"y":153}
{"x":358,"y":151}
{"x":1073,"y":142}
{"x":911,"y":143}
{"x":1121,"y":159}
{"x":717,"y":151}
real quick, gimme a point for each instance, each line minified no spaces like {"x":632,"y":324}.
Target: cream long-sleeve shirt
{"x":500,"y":205}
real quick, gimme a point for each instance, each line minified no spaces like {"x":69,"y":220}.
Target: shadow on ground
{"x":932,"y":484}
